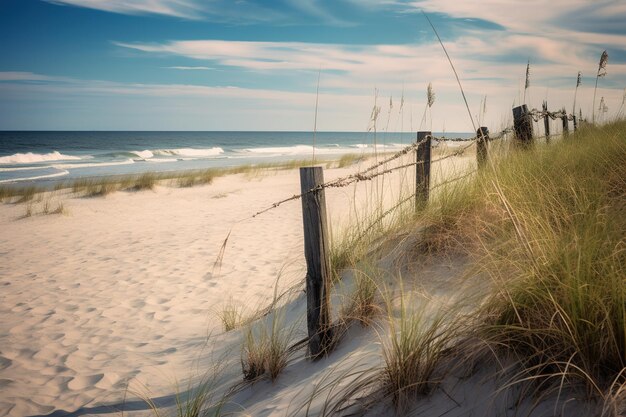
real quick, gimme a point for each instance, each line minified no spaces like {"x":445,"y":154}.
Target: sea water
{"x":48,"y":157}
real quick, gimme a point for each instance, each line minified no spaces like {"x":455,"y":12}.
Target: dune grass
{"x":265,"y":349}
{"x":554,"y":246}
{"x":548,"y":227}
{"x":199,"y":399}
{"x":102,"y":186}
{"x":350,"y":159}
{"x":364,"y":303}
{"x":416,"y":345}
{"x":25,"y":194}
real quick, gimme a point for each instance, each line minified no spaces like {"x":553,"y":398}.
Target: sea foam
{"x":284,"y":150}
{"x":197,"y":153}
{"x":29,"y":158}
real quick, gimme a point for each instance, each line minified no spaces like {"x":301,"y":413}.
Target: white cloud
{"x":189,"y":9}
{"x":529,"y":16}
{"x":24,"y":76}
{"x":191,"y":68}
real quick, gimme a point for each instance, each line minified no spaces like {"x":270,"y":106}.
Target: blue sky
{"x":254,"y":65}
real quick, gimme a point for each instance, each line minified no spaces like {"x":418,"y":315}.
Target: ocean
{"x":41,"y":158}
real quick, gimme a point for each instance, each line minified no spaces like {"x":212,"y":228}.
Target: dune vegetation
{"x":541,"y":236}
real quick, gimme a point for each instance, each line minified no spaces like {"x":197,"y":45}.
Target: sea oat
{"x":430,"y":95}
{"x":604,"y":59}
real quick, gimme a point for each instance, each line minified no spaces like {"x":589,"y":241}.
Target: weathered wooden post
{"x":316,"y":249}
{"x":523,"y":125}
{"x":422,"y":169}
{"x":546,"y":121}
{"x":565,"y":122}
{"x":482,"y":141}
{"x":575,"y":122}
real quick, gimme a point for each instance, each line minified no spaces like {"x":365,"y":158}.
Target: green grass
{"x":25,"y":194}
{"x":364,"y":303}
{"x":197,"y":400}
{"x":100,"y":187}
{"x":554,"y":244}
{"x":548,"y":227}
{"x":265,"y":349}
{"x":414,"y":350}
{"x":350,"y":159}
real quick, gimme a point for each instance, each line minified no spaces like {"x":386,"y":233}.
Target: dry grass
{"x":265,"y":348}
{"x":364,"y":303}
{"x":415,"y":349}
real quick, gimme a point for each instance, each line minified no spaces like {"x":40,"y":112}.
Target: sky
{"x":332,"y":65}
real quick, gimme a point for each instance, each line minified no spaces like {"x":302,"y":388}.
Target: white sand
{"x":123,"y":289}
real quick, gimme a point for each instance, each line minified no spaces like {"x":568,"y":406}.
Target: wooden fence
{"x":316,"y":237}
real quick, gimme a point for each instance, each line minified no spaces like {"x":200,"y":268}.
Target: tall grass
{"x":102,"y":186}
{"x":555,"y":246}
{"x":415,"y":349}
{"x":548,"y":226}
{"x":364,"y":302}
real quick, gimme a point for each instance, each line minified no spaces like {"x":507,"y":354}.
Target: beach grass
{"x":364,"y":303}
{"x":350,"y":159}
{"x":414,"y":349}
{"x":265,"y":349}
{"x":198,"y":399}
{"x":547,"y":227}
{"x":554,"y":247}
{"x":103,"y":186}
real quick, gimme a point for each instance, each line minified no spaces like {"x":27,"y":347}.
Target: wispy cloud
{"x":474,"y":53}
{"x":234,"y":11}
{"x":188,"y":9}
{"x":489,"y":65}
{"x":191,"y":68}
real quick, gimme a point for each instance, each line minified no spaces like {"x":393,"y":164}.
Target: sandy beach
{"x":113,"y":306}
{"x":124,"y":290}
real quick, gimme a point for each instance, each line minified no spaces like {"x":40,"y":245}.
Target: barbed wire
{"x":540,"y":114}
{"x":366,"y":174}
{"x":352,"y":178}
{"x":502,"y":134}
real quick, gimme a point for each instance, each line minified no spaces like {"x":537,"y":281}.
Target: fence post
{"x":546,"y":121}
{"x":523,"y":125}
{"x":482,"y":141}
{"x":422,"y":169}
{"x":565,"y":123}
{"x":575,"y":122}
{"x":316,"y":248}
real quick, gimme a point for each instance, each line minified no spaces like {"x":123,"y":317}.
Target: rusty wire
{"x":540,"y":114}
{"x":365,"y":174}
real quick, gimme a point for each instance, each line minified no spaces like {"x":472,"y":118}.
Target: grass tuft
{"x":416,"y":347}
{"x":265,"y":348}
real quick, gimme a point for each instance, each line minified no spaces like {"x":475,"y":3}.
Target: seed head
{"x":604,"y":59}
{"x":430,"y":95}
